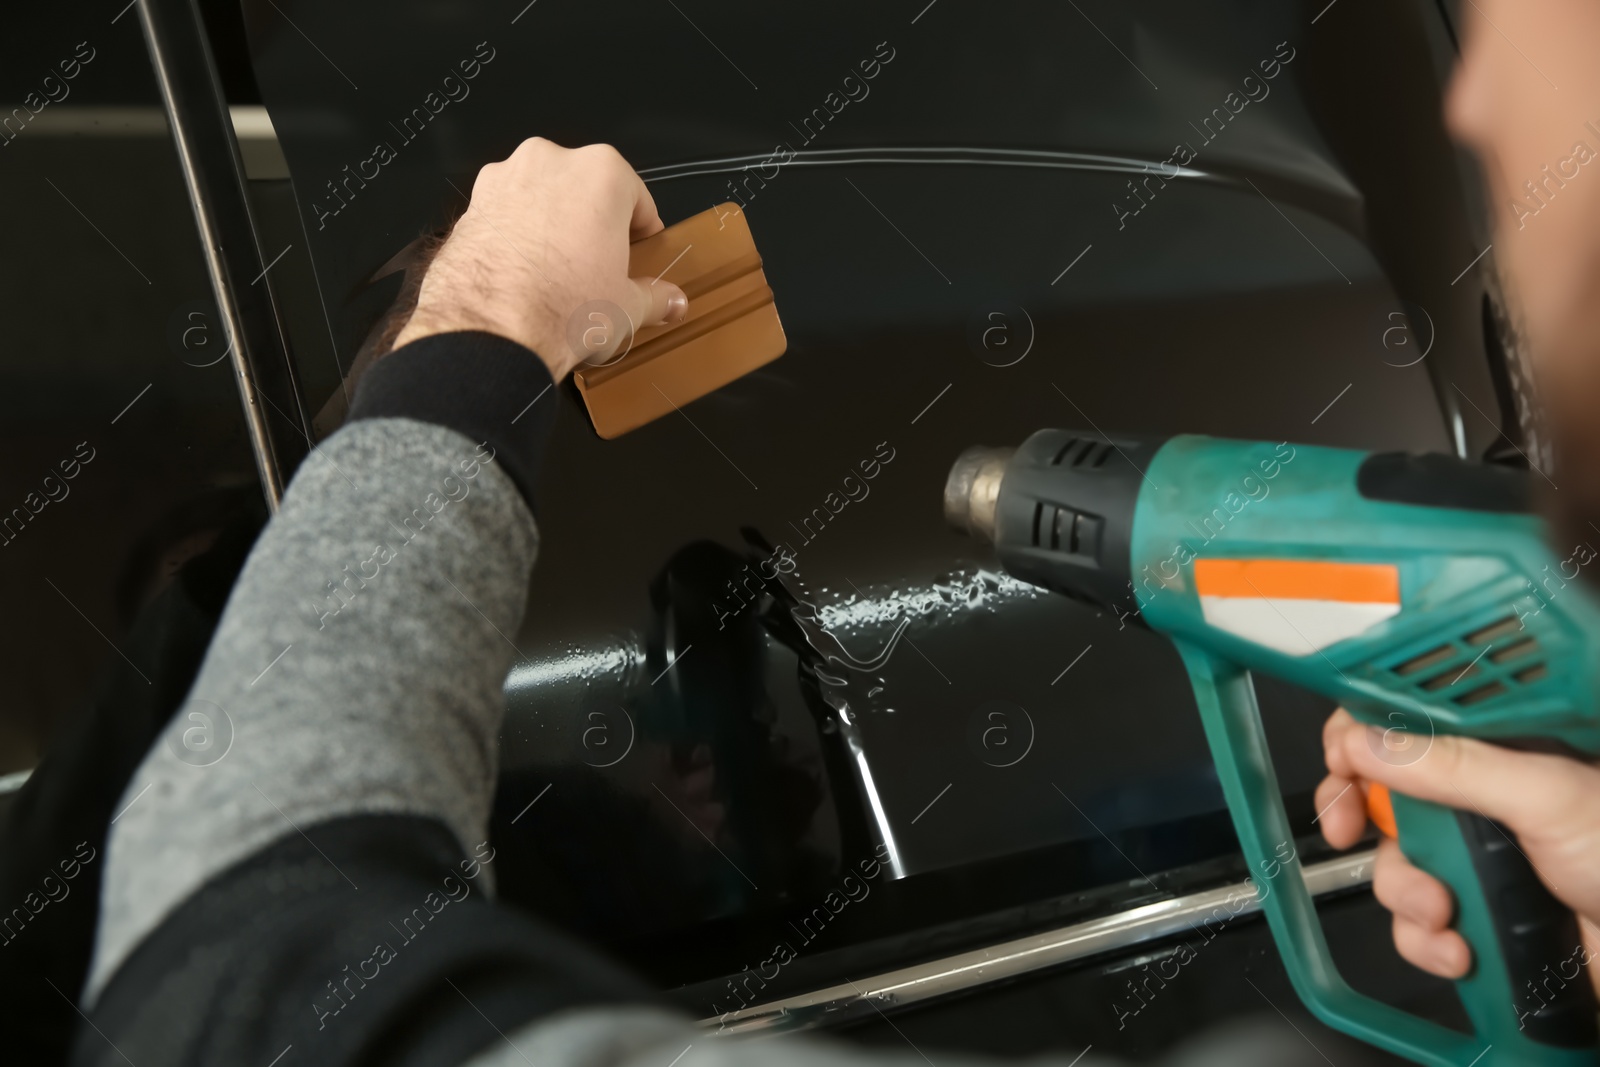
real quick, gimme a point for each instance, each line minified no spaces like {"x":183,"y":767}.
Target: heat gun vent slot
{"x":1449,"y":678}
{"x":1073,"y":445}
{"x":1479,"y":666}
{"x":1076,"y":533}
{"x":1494,"y":631}
{"x":1426,"y":660}
{"x":1526,"y":647}
{"x":1482,"y":693}
{"x":1082,"y":452}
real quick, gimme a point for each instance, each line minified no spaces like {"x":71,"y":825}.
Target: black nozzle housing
{"x":1064,"y":513}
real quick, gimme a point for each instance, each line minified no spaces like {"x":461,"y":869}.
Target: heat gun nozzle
{"x":972,"y":491}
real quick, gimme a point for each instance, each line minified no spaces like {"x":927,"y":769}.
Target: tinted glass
{"x":1151,"y":217}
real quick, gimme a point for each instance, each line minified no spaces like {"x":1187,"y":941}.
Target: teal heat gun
{"x":1417,"y":591}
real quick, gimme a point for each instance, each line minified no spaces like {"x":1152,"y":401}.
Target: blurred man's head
{"x":1526,"y":97}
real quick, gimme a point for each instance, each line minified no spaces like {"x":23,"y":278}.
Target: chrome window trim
{"x":975,"y":969}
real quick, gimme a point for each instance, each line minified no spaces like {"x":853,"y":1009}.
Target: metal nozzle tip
{"x":972,"y":490}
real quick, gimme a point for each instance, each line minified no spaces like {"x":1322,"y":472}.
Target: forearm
{"x":358,"y":667}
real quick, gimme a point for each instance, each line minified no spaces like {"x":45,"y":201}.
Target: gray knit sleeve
{"x":357,"y":668}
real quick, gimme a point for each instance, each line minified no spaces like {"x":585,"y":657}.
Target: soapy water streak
{"x":833,"y":650}
{"x":623,"y":656}
{"x":620,"y":658}
{"x":962,"y":593}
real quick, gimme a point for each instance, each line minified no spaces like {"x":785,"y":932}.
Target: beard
{"x":1559,"y":400}
{"x":1572,"y":505}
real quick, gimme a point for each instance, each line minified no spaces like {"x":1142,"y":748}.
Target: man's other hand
{"x":547,"y":231}
{"x":1551,"y":804}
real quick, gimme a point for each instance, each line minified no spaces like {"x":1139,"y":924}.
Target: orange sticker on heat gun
{"x":1296,"y":606}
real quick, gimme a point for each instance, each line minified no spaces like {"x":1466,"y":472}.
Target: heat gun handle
{"x":1539,"y":938}
{"x":1227,"y":702}
{"x":1512,"y":922}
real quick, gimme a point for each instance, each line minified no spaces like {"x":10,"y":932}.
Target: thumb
{"x":1532,"y":793}
{"x":657,"y":303}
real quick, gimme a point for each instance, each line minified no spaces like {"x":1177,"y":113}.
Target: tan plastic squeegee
{"x":732,"y":327}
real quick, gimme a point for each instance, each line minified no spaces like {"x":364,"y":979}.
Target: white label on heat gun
{"x":1294,"y":627}
{"x":1296,"y":607}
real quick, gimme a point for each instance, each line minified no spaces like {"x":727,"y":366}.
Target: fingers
{"x":646,"y":220}
{"x":1410,"y":893}
{"x":551,"y":225}
{"x":1423,"y":909}
{"x":1530,"y":792}
{"x":1342,"y":810}
{"x":643,"y":219}
{"x":1332,"y":730}
{"x":595,"y":167}
{"x":658,"y":302}
{"x":1440,"y":952}
{"x":648,"y":305}
{"x":1341,"y":798}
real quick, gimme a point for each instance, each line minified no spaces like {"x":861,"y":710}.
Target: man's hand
{"x":547,"y":231}
{"x":1550,"y":803}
